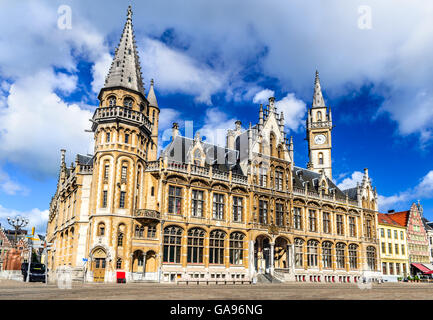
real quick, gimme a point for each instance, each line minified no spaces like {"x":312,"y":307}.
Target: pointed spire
{"x":317,"y":96}
{"x":125,"y":70}
{"x":151,"y":97}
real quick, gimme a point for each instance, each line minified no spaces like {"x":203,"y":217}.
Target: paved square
{"x":14,"y":290}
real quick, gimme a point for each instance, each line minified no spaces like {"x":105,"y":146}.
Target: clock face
{"x":320,"y":139}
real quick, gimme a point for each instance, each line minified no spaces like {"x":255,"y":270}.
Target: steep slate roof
{"x":125,"y":70}
{"x":400,"y":217}
{"x":84,"y":160}
{"x":301,"y":175}
{"x":426,"y":224}
{"x":352,"y":193}
{"x":387,"y":219}
{"x":224,"y":159}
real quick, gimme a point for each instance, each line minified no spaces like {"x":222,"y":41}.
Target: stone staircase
{"x":267,"y":278}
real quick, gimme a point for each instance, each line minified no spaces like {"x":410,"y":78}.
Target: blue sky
{"x":213,"y":63}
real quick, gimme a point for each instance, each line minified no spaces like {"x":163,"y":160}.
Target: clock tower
{"x":319,"y":127}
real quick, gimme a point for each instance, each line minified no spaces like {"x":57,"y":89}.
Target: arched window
{"x":112,"y":101}
{"x":339,"y":253}
{"x":195,"y":245}
{"x":371,"y":257}
{"x":101,"y":229}
{"x":353,"y":256}
{"x":127,"y":102}
{"x":120,"y":239}
{"x":312,"y":246}
{"x":172,"y":244}
{"x":327,"y":254}
{"x":236,"y":248}
{"x":216,"y":247}
{"x":299,"y":252}
{"x":320,"y":158}
{"x":319,"y":116}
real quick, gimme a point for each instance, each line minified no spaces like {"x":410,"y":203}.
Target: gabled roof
{"x":384,"y":218}
{"x":401,"y":217}
{"x":125,"y":70}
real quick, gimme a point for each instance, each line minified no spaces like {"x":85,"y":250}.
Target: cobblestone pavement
{"x":15,"y":290}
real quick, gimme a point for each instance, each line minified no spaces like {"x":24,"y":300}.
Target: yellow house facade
{"x":393,"y":247}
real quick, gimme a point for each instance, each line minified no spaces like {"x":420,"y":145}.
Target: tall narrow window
{"x":319,"y":116}
{"x":312,"y":253}
{"x":172,"y":244}
{"x":297,"y":218}
{"x":139,"y":231}
{"x":279,"y":214}
{"x":195,"y":245}
{"x":312,"y":220}
{"x":218,"y":206}
{"x":104,"y":199}
{"x":263,"y":177}
{"x":352,"y":226}
{"x":278,"y":180}
{"x":124,"y":173}
{"x":126,"y":138}
{"x":174,"y":199}
{"x":326,"y":222}
{"x":120,"y":239}
{"x":299,"y":252}
{"x":320,"y":158}
{"x":263,"y":212}
{"x":368,"y":232}
{"x":108,"y":137}
{"x":237,"y":209}
{"x":327,"y":254}
{"x":353,"y":256}
{"x":236,"y":248}
{"x":216,"y":247}
{"x":339,"y":219}
{"x":106,"y":171}
{"x":339,"y":252}
{"x":119,"y":263}
{"x":197,"y":203}
{"x":122,"y":199}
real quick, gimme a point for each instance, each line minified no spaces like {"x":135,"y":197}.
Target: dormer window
{"x":127,"y":102}
{"x":112,"y":101}
{"x":319,"y":116}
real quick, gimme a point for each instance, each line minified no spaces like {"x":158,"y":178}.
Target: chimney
{"x":175,"y":130}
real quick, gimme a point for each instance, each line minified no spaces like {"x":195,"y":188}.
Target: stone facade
{"x":200,"y":211}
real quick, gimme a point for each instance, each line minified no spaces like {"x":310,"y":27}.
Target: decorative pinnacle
{"x":151,"y":82}
{"x":129,"y":15}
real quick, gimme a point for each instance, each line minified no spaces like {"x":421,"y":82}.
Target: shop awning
{"x":420,"y":267}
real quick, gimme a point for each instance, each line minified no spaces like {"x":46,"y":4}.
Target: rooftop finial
{"x":129,"y":15}
{"x":151,"y":82}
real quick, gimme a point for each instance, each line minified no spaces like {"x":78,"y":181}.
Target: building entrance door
{"x":98,"y":265}
{"x":262,"y":255}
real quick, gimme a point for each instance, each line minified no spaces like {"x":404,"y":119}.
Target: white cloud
{"x":350,"y":182}
{"x":175,"y":71}
{"x":36,"y":123}
{"x":100,"y":70}
{"x":9,"y":186}
{"x":294,"y":111}
{"x":37,"y":218}
{"x":263,"y":96}
{"x":216,"y":124}
{"x":424,"y":190}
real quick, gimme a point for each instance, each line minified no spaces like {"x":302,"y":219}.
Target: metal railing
{"x":108,"y":113}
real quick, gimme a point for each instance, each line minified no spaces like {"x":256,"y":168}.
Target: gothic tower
{"x":124,"y":141}
{"x":319,"y":127}
{"x":153,"y":115}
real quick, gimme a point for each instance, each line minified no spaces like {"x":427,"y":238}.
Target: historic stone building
{"x":200,"y":211}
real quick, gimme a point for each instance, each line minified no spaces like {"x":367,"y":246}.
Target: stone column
{"x":272,"y":258}
{"x":144,"y":264}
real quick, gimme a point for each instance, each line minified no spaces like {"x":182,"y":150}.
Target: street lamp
{"x":18,"y":222}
